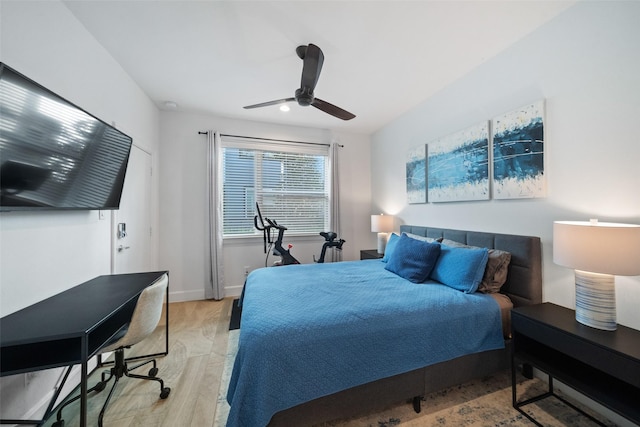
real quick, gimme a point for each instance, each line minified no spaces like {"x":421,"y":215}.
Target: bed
{"x":321,"y":342}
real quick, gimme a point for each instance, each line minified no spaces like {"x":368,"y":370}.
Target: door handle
{"x":122,"y":248}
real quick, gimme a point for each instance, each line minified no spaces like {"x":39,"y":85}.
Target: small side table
{"x":602,"y":365}
{"x":370,"y":254}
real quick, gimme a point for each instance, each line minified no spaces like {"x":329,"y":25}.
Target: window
{"x":290,"y":182}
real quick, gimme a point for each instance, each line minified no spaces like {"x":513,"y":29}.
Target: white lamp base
{"x":596,"y":300}
{"x":382,"y":242}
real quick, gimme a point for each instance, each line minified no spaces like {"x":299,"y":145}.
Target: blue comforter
{"x":312,"y":330}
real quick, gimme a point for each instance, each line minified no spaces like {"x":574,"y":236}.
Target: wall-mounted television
{"x":53,"y":154}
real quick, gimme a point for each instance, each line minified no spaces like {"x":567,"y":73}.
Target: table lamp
{"x":381,"y":224}
{"x":597,"y":251}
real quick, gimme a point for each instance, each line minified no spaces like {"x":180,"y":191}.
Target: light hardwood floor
{"x":198,"y":335}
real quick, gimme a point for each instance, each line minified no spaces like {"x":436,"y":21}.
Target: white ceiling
{"x":381,"y":57}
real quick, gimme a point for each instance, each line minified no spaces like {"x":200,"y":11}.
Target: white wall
{"x":585,"y":64}
{"x":44,"y":253}
{"x":183,"y":222}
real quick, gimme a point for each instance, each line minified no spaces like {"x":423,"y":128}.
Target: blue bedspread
{"x":312,"y":330}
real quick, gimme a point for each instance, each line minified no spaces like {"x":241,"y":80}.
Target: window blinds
{"x":290,"y":182}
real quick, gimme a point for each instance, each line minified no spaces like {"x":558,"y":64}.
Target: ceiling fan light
{"x":284,"y":108}
{"x":312,"y":58}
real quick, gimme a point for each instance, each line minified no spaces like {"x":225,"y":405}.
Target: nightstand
{"x":602,"y":365}
{"x":370,"y":254}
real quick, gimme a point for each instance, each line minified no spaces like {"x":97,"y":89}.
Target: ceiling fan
{"x":312,"y":58}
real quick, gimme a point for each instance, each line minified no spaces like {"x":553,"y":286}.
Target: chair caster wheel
{"x":99,"y":387}
{"x":153,"y":372}
{"x":165,"y":393}
{"x":59,"y":423}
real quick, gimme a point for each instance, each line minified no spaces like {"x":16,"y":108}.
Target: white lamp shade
{"x":597,"y":247}
{"x":381,"y":223}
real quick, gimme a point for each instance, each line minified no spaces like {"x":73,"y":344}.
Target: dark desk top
{"x":74,"y":312}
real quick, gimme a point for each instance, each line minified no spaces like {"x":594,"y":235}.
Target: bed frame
{"x":523,"y":286}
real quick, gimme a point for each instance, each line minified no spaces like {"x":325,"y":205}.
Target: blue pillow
{"x":461,"y":268}
{"x":413,"y":259}
{"x":391,"y":245}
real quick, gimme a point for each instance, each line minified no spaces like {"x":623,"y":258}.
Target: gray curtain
{"x":335,"y":197}
{"x":215,"y":288}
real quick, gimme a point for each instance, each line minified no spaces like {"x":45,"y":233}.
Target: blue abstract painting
{"x":518,"y":153}
{"x":458,"y":166}
{"x":416,"y":175}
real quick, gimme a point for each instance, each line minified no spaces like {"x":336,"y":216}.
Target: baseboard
{"x":233,"y":291}
{"x":609,"y":414}
{"x":182,"y":296}
{"x":38,"y":409}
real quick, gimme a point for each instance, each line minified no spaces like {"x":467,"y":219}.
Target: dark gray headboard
{"x":524,"y":281}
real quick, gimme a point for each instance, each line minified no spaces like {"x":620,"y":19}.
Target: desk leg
{"x":166,"y":320}
{"x":84,"y":374}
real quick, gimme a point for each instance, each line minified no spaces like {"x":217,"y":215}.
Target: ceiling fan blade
{"x":313,"y":60}
{"x":332,"y":109}
{"x":266,"y":104}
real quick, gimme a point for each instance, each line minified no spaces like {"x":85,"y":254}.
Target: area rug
{"x":482,"y":402}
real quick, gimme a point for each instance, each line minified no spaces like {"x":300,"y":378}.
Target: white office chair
{"x":146,"y":316}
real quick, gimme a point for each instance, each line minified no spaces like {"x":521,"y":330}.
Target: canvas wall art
{"x":416,"y":175}
{"x":518,"y":153}
{"x":458,"y":166}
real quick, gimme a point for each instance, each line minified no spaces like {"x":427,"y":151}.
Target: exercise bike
{"x":285,"y":254}
{"x":330,"y":242}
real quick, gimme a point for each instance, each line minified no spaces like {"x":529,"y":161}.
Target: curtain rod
{"x":270,"y":139}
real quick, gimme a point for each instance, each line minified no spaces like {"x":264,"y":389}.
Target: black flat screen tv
{"x":53,"y":154}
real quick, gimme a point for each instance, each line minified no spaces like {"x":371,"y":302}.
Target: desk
{"x":71,"y":327}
